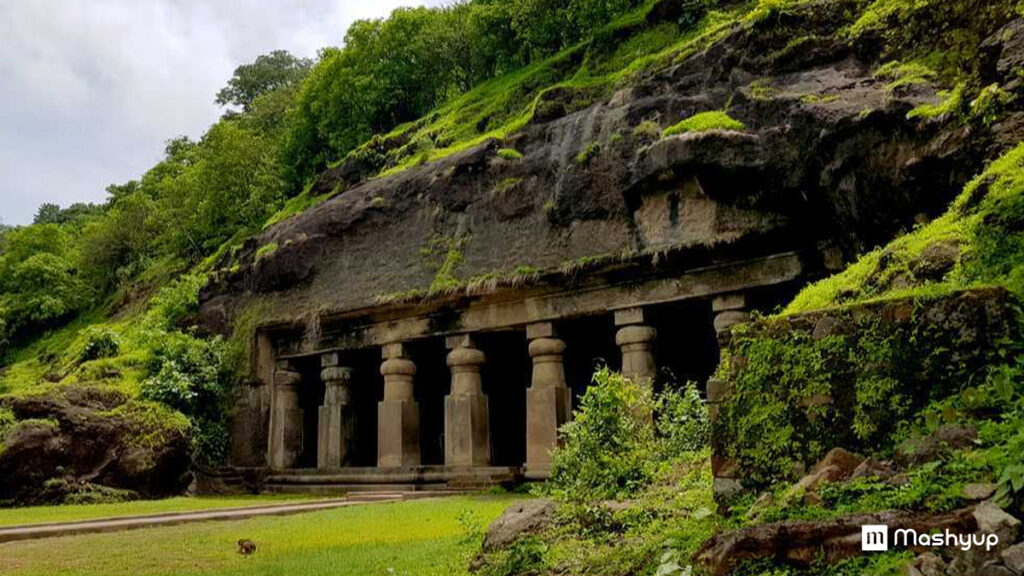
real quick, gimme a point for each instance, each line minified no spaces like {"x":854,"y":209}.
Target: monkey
{"x":246,"y":547}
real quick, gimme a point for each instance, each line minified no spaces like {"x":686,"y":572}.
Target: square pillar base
{"x":398,"y":434}
{"x":334,"y":434}
{"x":546,"y":410}
{"x":467,"y":436}
{"x":286,"y":438}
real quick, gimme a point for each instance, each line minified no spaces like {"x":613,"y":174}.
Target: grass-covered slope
{"x":978,"y":242}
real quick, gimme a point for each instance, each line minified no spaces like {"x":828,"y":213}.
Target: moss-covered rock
{"x":83,"y":444}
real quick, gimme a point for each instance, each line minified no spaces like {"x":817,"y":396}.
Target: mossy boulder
{"x":88,"y":443}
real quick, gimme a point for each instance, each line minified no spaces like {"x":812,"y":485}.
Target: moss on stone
{"x":704,"y":121}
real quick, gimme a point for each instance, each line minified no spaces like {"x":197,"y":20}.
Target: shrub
{"x":608,"y":447}
{"x":682,"y":422}
{"x":715,"y":120}
{"x":100,"y":343}
{"x":194,"y":377}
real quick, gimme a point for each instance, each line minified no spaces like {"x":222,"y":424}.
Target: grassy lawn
{"x":47,"y":514}
{"x":417,"y":538}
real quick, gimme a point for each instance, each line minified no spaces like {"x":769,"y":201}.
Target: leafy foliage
{"x":620,"y":436}
{"x":269,"y":73}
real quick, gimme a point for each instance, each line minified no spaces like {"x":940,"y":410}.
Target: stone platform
{"x":374,"y":479}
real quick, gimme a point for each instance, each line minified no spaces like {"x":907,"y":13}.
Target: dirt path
{"x":36,"y":531}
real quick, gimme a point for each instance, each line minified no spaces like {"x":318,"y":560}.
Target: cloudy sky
{"x":91,"y":89}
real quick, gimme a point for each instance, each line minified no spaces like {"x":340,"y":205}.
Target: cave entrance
{"x":686,"y":349}
{"x":366,"y":390}
{"x":432,"y":383}
{"x":311,"y":396}
{"x":506,"y":376}
{"x":589,"y":345}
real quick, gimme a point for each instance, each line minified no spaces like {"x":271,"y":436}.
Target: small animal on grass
{"x":246,"y":547}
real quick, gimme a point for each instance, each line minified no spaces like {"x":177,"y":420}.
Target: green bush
{"x":100,"y":343}
{"x":682,"y":422}
{"x":608,"y":448}
{"x":194,"y":377}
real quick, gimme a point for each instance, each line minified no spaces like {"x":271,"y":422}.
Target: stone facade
{"x":441,"y":424}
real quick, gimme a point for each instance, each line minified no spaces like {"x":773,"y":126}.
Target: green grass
{"x":714,"y":120}
{"x":75,"y":513}
{"x":419,"y":538}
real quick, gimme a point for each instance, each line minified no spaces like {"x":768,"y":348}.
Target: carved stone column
{"x":398,"y":415}
{"x":729,"y":310}
{"x":337,"y":420}
{"x":286,"y":418}
{"x":548,"y":400}
{"x":467,"y":436}
{"x":636,"y":340}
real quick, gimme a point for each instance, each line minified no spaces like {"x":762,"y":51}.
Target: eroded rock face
{"x":828,"y":157}
{"x":75,"y":440}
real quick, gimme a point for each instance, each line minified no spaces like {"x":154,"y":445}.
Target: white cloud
{"x":90,"y":90}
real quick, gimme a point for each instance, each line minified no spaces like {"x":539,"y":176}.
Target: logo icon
{"x":874,"y":538}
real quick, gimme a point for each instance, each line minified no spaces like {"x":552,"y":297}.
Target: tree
{"x":269,"y":72}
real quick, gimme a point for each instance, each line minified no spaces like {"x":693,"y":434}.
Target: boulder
{"x":803,"y":543}
{"x":992,"y":519}
{"x":1013,"y":558}
{"x":518,"y":520}
{"x":836,"y":466}
{"x":86,"y":443}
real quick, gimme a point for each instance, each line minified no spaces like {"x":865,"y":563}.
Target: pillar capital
{"x":635,"y":335}
{"x":286,"y":378}
{"x":465,"y":359}
{"x":397,"y":367}
{"x":546,"y":347}
{"x":336,"y":375}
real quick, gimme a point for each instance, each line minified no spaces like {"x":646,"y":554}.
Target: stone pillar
{"x":398,"y":415}
{"x":636,"y":339}
{"x":728,"y":310}
{"x":286,"y":418}
{"x":467,"y":436}
{"x":336,"y":430}
{"x":548,"y":400}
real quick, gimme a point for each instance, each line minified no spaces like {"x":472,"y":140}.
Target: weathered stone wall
{"x":792,"y":388}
